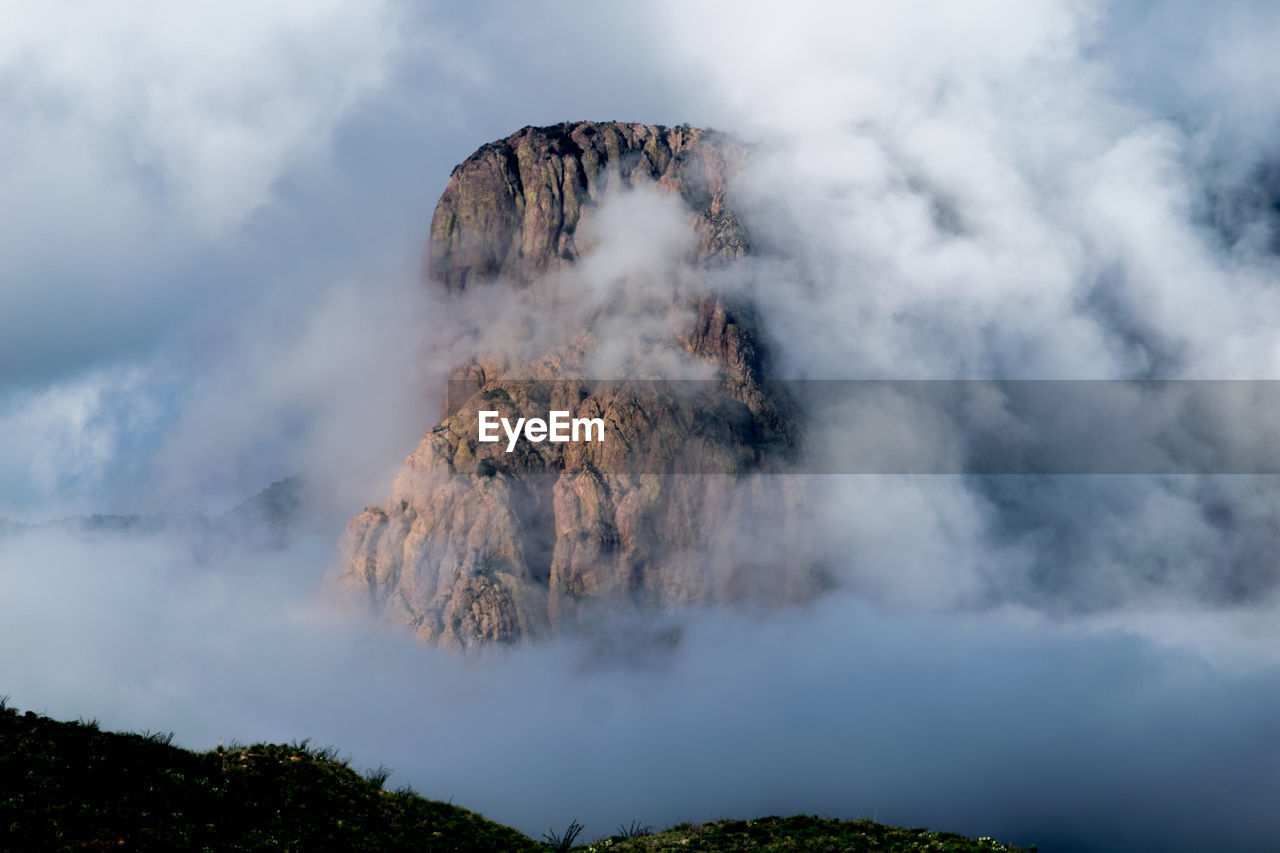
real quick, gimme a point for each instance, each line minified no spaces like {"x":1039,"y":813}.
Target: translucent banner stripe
{"x":864,"y":426}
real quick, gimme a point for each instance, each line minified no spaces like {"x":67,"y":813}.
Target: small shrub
{"x":563,"y":841}
{"x":378,"y":776}
{"x":635,"y":829}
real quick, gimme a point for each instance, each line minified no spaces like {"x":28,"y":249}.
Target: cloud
{"x":335,"y":393}
{"x":210,"y":231}
{"x":138,"y":140}
{"x":982,"y":191}
{"x":69,"y":439}
{"x":176,"y":178}
{"x":212,"y":102}
{"x":293,"y":399}
{"x":1072,"y":736}
{"x":968,"y":193}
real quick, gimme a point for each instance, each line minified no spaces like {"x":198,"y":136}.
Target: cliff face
{"x":512,"y":210}
{"x":680,"y":505}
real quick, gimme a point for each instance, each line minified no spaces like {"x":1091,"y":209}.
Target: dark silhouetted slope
{"x":70,"y":786}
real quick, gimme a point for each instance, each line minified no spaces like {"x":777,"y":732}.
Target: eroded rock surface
{"x":682,"y":504}
{"x":512,"y":210}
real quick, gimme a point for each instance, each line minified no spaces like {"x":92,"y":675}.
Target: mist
{"x":1071,"y":735}
{"x":211,"y":281}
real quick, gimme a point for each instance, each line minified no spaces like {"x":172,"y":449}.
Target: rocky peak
{"x":479,"y":545}
{"x":512,"y":209}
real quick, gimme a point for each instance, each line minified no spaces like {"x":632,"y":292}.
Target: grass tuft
{"x":635,"y":829}
{"x":378,"y":776}
{"x":563,"y":841}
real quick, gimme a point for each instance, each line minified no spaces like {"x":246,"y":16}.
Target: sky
{"x":211,"y":233}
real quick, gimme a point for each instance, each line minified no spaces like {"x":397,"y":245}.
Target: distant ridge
{"x":265,"y":520}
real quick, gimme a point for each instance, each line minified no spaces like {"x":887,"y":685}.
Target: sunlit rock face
{"x":512,"y":210}
{"x":683,"y":502}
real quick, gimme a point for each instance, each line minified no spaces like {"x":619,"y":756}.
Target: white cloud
{"x":215,"y":101}
{"x":66,"y":441}
{"x":961,"y":183}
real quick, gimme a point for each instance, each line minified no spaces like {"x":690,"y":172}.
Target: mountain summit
{"x":680,"y":505}
{"x":512,"y":209}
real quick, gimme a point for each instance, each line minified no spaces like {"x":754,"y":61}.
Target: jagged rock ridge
{"x":512,"y":209}
{"x":479,"y":545}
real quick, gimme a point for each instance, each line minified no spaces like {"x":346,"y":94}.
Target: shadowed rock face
{"x":682,"y":504}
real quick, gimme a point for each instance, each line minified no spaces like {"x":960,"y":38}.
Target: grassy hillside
{"x":70,"y":786}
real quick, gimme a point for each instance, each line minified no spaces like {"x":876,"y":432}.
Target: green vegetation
{"x":635,"y":829}
{"x":778,"y":834}
{"x":563,"y":841}
{"x":70,"y":786}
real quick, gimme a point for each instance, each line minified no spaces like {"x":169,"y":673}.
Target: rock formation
{"x":512,"y":210}
{"x":680,"y":505}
